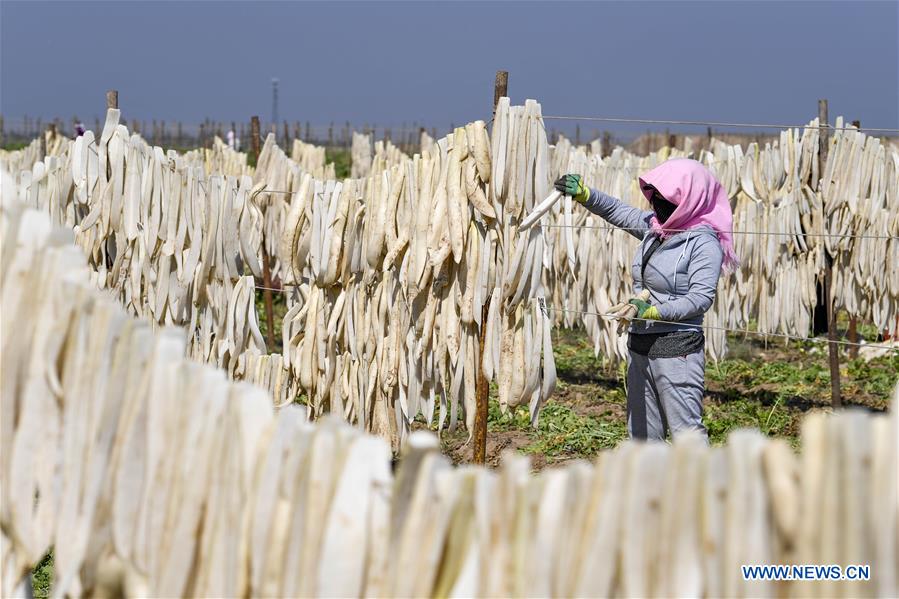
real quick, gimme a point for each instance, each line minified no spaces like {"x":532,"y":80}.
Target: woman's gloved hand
{"x":645,"y":309}
{"x":574,"y":186}
{"x":625,"y":311}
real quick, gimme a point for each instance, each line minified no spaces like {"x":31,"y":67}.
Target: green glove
{"x":645,"y":310}
{"x":574,"y":186}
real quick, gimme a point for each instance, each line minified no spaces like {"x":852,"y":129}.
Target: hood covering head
{"x":699,"y":198}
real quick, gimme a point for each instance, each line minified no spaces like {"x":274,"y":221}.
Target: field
{"x":766,"y":385}
{"x":769,"y":386}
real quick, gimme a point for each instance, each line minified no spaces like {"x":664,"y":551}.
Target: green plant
{"x":563,"y":432}
{"x":42,"y":576}
{"x":342,"y":160}
{"x":279,"y":309}
{"x":15,"y":145}
{"x":514,"y":418}
{"x":876,"y":377}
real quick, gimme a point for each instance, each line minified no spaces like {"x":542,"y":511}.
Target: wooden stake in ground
{"x":852,"y":333}
{"x":112,"y":101}
{"x":51,"y":136}
{"x":832,"y":348}
{"x":266,"y":271}
{"x":482,"y":389}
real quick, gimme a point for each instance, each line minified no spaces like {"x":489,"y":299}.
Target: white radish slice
{"x":541,"y":209}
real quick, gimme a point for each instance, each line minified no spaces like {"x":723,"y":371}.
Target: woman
{"x":685,"y":240}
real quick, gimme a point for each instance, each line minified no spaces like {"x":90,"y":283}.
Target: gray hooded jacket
{"x":682,"y":274}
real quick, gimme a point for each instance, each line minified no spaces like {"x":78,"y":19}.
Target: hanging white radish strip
{"x":540,"y":209}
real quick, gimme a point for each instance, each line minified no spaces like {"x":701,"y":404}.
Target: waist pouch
{"x":666,"y":345}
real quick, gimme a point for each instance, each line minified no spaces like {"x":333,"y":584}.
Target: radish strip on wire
{"x":541,"y":209}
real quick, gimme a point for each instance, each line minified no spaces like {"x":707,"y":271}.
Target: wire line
{"x":705,"y":326}
{"x":712,"y":123}
{"x":741,"y":331}
{"x":774,"y":233}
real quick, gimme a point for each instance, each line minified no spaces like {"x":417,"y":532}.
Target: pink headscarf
{"x":699,"y":198}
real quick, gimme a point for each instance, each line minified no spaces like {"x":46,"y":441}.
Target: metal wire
{"x":729,"y":330}
{"x":612,"y":228}
{"x":774,"y":233}
{"x":713,"y":123}
{"x":705,"y":326}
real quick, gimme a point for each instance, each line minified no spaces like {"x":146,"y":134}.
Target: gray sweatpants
{"x":665,"y":394}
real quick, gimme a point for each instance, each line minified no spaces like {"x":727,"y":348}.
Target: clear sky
{"x":434,"y":62}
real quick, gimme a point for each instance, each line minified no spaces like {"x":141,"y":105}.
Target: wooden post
{"x":266,"y":269}
{"x":500,"y":87}
{"x":112,"y":101}
{"x":852,"y":333}
{"x":482,"y":389}
{"x":832,"y":349}
{"x":577,"y":136}
{"x":286,"y":138}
